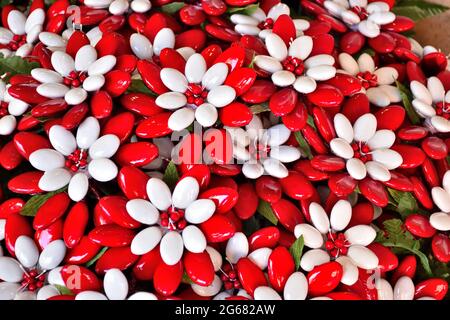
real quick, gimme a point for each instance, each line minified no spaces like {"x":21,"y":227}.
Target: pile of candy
{"x":221,"y":149}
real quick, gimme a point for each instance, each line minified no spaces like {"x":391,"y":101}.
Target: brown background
{"x":435,"y":30}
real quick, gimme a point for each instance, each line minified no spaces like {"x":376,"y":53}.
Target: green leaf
{"x":251,"y":225}
{"x":172,"y":8}
{"x":402,"y":241}
{"x":138,"y":86}
{"x":404,"y":202}
{"x":296,"y":251}
{"x":171,"y":176}
{"x":186,"y":279}
{"x":97,"y":256}
{"x":64,"y":290}
{"x":248,"y":10}
{"x":15,"y":65}
{"x":259,"y":108}
{"x":303,"y":145}
{"x":406,"y":95}
{"x":35,"y":202}
{"x":310,"y":121}
{"x":266,"y":211}
{"x":5,"y":3}
{"x":418,"y":9}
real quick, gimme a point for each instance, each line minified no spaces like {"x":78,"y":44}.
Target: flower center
{"x":77,"y":160}
{"x":336,"y":244}
{"x":173,"y":219}
{"x":259,"y":150}
{"x":230,"y":278}
{"x":4,"y":108}
{"x":195,"y":94}
{"x":361,"y":151}
{"x":443,"y":109}
{"x":361,"y":12}
{"x":294,"y":65}
{"x":17,"y":41}
{"x":32,"y":280}
{"x":266,"y":24}
{"x":75,"y":79}
{"x":367,"y":79}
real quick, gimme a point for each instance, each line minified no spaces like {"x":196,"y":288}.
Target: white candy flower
{"x":432,"y":103}
{"x":25,"y":278}
{"x":75,"y":159}
{"x":330,"y":239}
{"x":172,"y":219}
{"x":196,"y":94}
{"x":262,"y":151}
{"x":22,"y":32}
{"x":73,"y":79}
{"x":259,"y":24}
{"x":441,"y":197}
{"x":366,"y":149}
{"x":377,"y":83}
{"x":294,"y":65}
{"x":359,"y":15}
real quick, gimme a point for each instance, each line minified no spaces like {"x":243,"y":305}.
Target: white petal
{"x":206,"y":114}
{"x":78,"y":187}
{"x":341,"y":148}
{"x":174,"y":80}
{"x":237,"y":247}
{"x":386,"y":75}
{"x":115,"y":284}
{"x":165,"y":38}
{"x":52,"y":90}
{"x":52,"y":255}
{"x":54,"y":179}
{"x":276,"y":47}
{"x":102,"y":65}
{"x":389,"y":158}
{"x":143,"y":211}
{"x":268,"y":64}
{"x":356,"y":168}
{"x":296,"y":287}
{"x":171,"y":100}
{"x":378,"y":171}
{"x":181,"y":119}
{"x":301,"y":47}
{"x":16,"y":22}
{"x":75,"y":96}
{"x":85,"y":56}
{"x":146,"y":240}
{"x":266,"y":293}
{"x":141,"y":46}
{"x":200,"y":210}
{"x":366,"y":63}
{"x":404,"y":289}
{"x":382,"y":139}
{"x":171,"y":248}
{"x":319,"y":218}
{"x":104,"y":147}
{"x":350,"y":271}
{"x":193,"y":239}
{"x":365,"y":127}
{"x":305,"y":84}
{"x":348,"y":63}
{"x":10,"y":270}
{"x":221,"y":96}
{"x":47,"y":159}
{"x":185,"y":192}
{"x":215,"y":76}
{"x":313,"y":258}
{"x":159,"y":194}
{"x":102,"y":169}
{"x":26,"y":251}
{"x":360,"y":235}
{"x":195,"y":68}
{"x":62,"y":63}
{"x":88,"y":132}
{"x":275,"y":168}
{"x":62,"y":140}
{"x":363,"y":257}
{"x":312,"y":237}
{"x":340,"y":215}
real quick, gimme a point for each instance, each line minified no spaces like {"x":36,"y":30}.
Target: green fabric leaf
{"x":15,"y":65}
{"x":404,"y":202}
{"x":4,"y":3}
{"x":406,"y":95}
{"x":402,"y":242}
{"x":303,"y":145}
{"x":248,"y":10}
{"x":266,"y":211}
{"x":138,"y":86}
{"x":171,"y":176}
{"x":64,"y":290}
{"x":35,"y":202}
{"x":186,"y":279}
{"x":259,"y":108}
{"x":296,"y":251}
{"x":418,"y":9}
{"x":172,"y":8}
{"x":97,"y":256}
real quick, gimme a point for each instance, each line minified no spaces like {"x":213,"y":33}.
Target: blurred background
{"x":435,"y":30}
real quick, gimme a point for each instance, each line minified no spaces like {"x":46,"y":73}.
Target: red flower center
{"x":443,"y":109}
{"x":173,"y":219}
{"x":4,"y":108}
{"x":367,"y":79}
{"x":361,"y":12}
{"x":230,"y":278}
{"x":77,"y":160}
{"x":195,"y":94}
{"x":336,"y":244}
{"x":294,"y":65}
{"x":266,"y":24}
{"x":75,"y":79}
{"x":32,"y":280}
{"x":17,"y":41}
{"x":361,"y":151}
